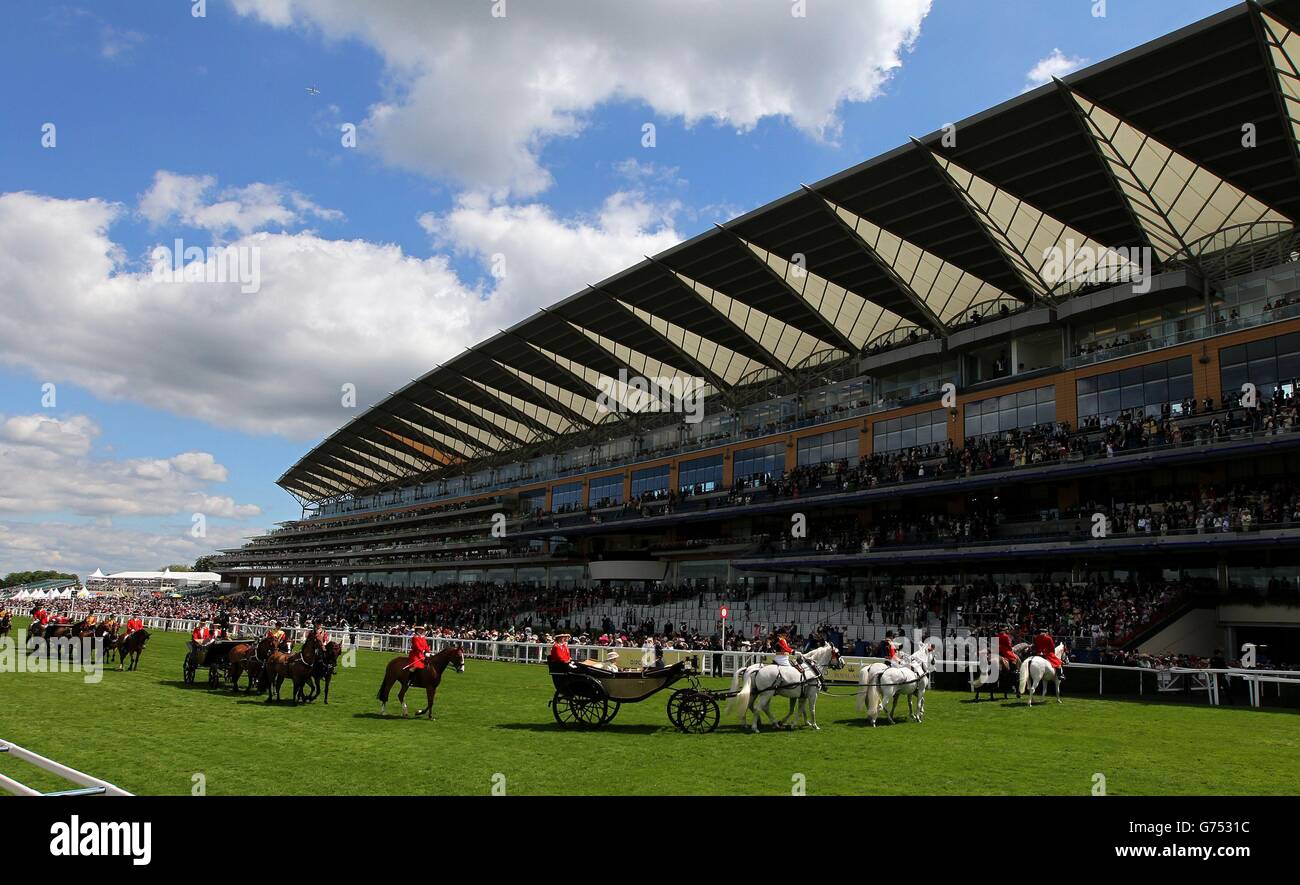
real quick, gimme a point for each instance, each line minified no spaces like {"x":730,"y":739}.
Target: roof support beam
{"x":1261,"y":36}
{"x":931,"y":319}
{"x":705,"y":372}
{"x":835,"y":336}
{"x":751,"y":349}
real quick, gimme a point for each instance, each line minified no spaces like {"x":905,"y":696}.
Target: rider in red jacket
{"x":1046,"y":647}
{"x":419,"y":648}
{"x":1009,"y":658}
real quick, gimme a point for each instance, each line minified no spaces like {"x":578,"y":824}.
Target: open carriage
{"x":215,"y":656}
{"x":587,"y":696}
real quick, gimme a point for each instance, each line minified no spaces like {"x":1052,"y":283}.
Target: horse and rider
{"x":791,"y":675}
{"x":422,"y":667}
{"x":1046,"y":665}
{"x":881,"y":684}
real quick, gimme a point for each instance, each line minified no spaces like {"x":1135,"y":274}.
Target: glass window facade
{"x":568,"y":495}
{"x":606,"y":491}
{"x":920,"y":429}
{"x":700,"y":476}
{"x":1266,"y":364}
{"x":531,"y":502}
{"x":1014,"y":411}
{"x":652,"y":479}
{"x":766,"y":460}
{"x":833,"y":446}
{"x":1142,"y":388}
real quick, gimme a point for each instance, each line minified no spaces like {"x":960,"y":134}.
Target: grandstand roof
{"x":1144,"y":149}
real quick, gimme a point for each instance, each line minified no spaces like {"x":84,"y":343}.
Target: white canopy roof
{"x":190,"y":577}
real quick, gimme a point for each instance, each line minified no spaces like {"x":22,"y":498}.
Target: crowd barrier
{"x":1216,"y":684}
{"x":86,"y":785}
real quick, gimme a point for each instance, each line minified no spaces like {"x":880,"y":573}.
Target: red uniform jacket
{"x":200,"y":634}
{"x":419,"y":648}
{"x":783,"y":647}
{"x":43,"y":616}
{"x":1004,"y":648}
{"x":1044,"y":645}
{"x":560,"y":653}
{"x":134,"y":624}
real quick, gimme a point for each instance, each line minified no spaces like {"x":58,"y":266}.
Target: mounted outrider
{"x":590,"y":697}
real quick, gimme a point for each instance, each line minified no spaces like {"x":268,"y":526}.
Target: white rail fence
{"x":725,"y":663}
{"x":87,"y":785}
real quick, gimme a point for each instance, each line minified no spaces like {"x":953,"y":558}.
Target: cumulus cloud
{"x":47,"y":466}
{"x":1058,"y":64}
{"x":189,"y":200}
{"x":475,"y":98}
{"x":328,"y":312}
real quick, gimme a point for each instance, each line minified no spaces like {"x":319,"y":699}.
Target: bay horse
{"x":1006,"y":680}
{"x":249,"y":657}
{"x":430,"y":677}
{"x":5,"y":623}
{"x":297,"y":667}
{"x":131,"y":646}
{"x":326,"y":664}
{"x":56,"y":637}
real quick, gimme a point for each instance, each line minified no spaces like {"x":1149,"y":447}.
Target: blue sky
{"x":477,"y":136}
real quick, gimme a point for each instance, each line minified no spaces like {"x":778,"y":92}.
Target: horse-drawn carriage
{"x":588,"y":696}
{"x":215,"y":656}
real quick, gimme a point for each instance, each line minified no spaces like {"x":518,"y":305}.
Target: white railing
{"x":711,"y":662}
{"x":88,"y":786}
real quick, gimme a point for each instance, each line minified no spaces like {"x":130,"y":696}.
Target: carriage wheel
{"x":189,"y":668}
{"x":580,"y":709}
{"x":614,"y":707}
{"x":696,"y":711}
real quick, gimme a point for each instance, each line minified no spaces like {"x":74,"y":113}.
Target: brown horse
{"x":6,"y":622}
{"x":429,"y":677}
{"x":297,"y":667}
{"x":132,"y":646}
{"x":55,"y":637}
{"x":326,"y":664}
{"x":250,"y":658}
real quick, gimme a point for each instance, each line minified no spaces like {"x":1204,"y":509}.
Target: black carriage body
{"x":590,"y":697}
{"x":215,"y":656}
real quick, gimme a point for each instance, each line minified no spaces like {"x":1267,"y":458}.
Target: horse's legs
{"x":810,"y":711}
{"x":789,"y":713}
{"x":327,"y":689}
{"x":1058,"y":690}
{"x":893,"y":708}
{"x":430,"y":691}
{"x":401,"y":697}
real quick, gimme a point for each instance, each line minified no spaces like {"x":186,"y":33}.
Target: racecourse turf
{"x":151,"y":734}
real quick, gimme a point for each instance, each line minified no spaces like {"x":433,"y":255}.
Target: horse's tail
{"x":1024,"y":673}
{"x":736,"y":678}
{"x":864,"y":678}
{"x":873,"y":698}
{"x":739,"y":704}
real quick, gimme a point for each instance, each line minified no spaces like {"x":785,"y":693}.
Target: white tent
{"x":38,"y":594}
{"x":24,"y":594}
{"x":98,"y":575}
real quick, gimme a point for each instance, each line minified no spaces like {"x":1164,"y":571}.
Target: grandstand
{"x":1056,"y":345}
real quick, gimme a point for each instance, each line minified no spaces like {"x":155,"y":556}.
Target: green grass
{"x":150,"y":734}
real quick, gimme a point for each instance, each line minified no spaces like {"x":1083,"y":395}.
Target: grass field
{"x":149,"y":733}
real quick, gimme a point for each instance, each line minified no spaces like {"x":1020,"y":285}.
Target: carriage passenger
{"x":200,"y":636}
{"x":560,"y":650}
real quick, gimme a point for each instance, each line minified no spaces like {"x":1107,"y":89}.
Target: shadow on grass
{"x":612,"y":728}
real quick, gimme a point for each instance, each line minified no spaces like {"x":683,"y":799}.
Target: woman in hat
{"x":560,"y":650}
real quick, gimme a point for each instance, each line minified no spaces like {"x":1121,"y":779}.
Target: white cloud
{"x":83,"y":547}
{"x":46,"y":466}
{"x":475,"y":99}
{"x":1058,"y":64}
{"x":328,"y":312}
{"x":185,"y":198}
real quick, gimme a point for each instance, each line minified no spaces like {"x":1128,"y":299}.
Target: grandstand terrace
{"x":1097,"y":267}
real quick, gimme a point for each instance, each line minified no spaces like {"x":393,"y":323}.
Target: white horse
{"x":757,"y":684}
{"x":910,"y":675}
{"x":1036,"y":670}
